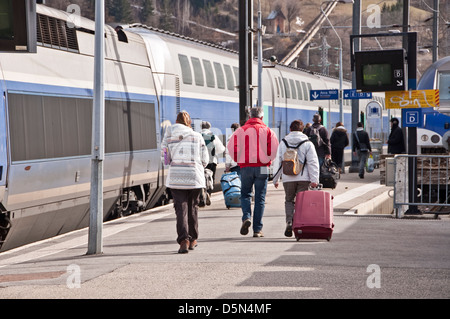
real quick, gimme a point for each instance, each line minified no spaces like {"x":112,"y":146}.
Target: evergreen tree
{"x":120,"y":10}
{"x":147,"y":11}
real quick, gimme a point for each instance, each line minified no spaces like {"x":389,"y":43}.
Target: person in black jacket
{"x":339,"y":140}
{"x":324,"y":148}
{"x":396,"y":142}
{"x":361,"y":147}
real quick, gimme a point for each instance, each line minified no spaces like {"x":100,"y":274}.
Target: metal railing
{"x":432,"y":174}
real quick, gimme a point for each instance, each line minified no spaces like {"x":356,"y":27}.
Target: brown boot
{"x":192,"y":244}
{"x":184,"y":247}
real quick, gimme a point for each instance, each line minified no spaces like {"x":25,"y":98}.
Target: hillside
{"x":217,"y":21}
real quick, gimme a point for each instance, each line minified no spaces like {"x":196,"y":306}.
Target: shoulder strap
{"x":298,"y":145}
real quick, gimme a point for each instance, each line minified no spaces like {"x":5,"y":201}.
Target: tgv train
{"x":150,"y":75}
{"x":434,"y":136}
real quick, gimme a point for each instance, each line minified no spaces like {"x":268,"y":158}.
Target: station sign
{"x":323,"y":95}
{"x":353,"y":94}
{"x":411,"y":99}
{"x":412,"y":117}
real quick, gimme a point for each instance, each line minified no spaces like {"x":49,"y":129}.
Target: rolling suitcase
{"x":231,"y":187}
{"x":313,"y":215}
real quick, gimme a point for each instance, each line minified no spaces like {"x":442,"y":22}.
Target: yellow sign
{"x":411,"y":99}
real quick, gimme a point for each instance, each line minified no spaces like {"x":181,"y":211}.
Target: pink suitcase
{"x":313,"y":216}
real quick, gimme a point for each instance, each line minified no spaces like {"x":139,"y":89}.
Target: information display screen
{"x":6,"y":20}
{"x":377,"y":74}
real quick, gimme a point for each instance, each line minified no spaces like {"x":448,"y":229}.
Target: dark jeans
{"x":258,"y":177}
{"x":185,"y":202}
{"x":362,"y":161}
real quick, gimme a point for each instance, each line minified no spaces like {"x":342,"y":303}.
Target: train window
{"x":309,"y":87}
{"x":281,"y":87}
{"x":210,"y":81}
{"x":55,"y":126}
{"x":278,"y":88}
{"x":299,"y":90}
{"x":286,"y":86}
{"x":219,"y":75}
{"x":186,"y":73}
{"x":198,"y":72}
{"x":444,"y":87}
{"x":49,"y":126}
{"x":305,"y":91}
{"x":294,"y":95}
{"x":130,"y":126}
{"x":236,"y":75}
{"x":229,"y":74}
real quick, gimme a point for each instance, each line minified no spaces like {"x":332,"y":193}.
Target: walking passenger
{"x":318,"y":134}
{"x":339,"y":140}
{"x":253,"y":146}
{"x":230,"y":164}
{"x":186,"y":151}
{"x":307,"y":176}
{"x":396,"y":143}
{"x":214,"y":145}
{"x":361,"y":147}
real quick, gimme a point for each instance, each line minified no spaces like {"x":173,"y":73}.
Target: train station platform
{"x":140,"y":258}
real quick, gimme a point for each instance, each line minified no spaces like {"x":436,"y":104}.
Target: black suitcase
{"x":329,"y":174}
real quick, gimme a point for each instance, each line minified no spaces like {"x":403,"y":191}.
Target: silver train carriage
{"x":150,"y":75}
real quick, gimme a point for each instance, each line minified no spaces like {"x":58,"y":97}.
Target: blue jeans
{"x":258,"y":177}
{"x":362,"y":161}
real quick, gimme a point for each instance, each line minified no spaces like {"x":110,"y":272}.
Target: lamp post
{"x":341,"y":108}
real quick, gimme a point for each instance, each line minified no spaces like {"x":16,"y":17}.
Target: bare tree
{"x":292,"y":11}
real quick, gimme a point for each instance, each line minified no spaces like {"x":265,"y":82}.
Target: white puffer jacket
{"x":188,"y":155}
{"x":306,"y":150}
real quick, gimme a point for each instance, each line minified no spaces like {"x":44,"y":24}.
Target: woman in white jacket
{"x":186,"y":152}
{"x":293,"y":184}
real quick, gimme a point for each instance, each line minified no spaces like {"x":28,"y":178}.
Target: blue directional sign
{"x":355,"y":95}
{"x":323,"y":95}
{"x":412,"y":117}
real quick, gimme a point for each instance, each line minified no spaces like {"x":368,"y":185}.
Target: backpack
{"x":209,"y":141}
{"x":291,"y":164}
{"x":314,"y":136}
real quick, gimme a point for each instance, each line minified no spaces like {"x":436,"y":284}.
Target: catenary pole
{"x":95,"y":240}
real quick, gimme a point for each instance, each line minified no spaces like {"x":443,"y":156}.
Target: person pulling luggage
{"x":307,"y":175}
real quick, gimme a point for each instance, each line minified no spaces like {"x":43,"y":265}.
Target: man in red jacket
{"x":253,"y":146}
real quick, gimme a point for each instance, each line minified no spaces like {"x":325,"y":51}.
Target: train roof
{"x":427,"y":81}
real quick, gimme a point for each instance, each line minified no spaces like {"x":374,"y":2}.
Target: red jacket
{"x":253,"y":144}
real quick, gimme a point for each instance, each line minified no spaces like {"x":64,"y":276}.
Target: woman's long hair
{"x":184,"y":118}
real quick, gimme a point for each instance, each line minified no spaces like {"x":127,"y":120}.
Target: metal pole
{"x":356,"y":30}
{"x":243,"y":60}
{"x":435,"y":30}
{"x":95,"y":240}
{"x":260,"y":104}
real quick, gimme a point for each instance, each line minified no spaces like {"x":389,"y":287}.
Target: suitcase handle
{"x":318,"y":188}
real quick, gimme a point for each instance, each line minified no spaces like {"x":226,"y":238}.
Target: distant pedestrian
{"x":214,"y":145}
{"x":361,"y":147}
{"x":396,"y":142}
{"x":253,"y":146}
{"x":230,"y":164}
{"x":318,"y":134}
{"x":339,"y":140}
{"x":308,"y":176}
{"x":187,"y":154}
